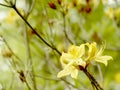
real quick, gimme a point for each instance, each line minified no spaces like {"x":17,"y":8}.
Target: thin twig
{"x":29,"y":58}
{"x":72,"y":84}
{"x":5,"y":5}
{"x":51,"y":31}
{"x":64,"y":25}
{"x":11,"y":50}
{"x":101,"y":75}
{"x":27,"y":85}
{"x":46,"y":78}
{"x":66,"y":35}
{"x":14,"y":7}
{"x":13,"y":60}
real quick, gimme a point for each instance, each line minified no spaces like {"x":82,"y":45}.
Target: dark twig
{"x":5,"y":5}
{"x":92,"y":79}
{"x":14,"y":7}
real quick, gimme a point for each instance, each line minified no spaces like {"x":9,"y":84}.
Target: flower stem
{"x":94,"y":83}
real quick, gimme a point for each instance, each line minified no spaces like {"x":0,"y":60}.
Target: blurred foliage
{"x":61,"y":23}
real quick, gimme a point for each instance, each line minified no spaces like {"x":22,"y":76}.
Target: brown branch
{"x":92,"y":79}
{"x":30,"y":26}
{"x":5,"y":5}
{"x":14,"y":7}
{"x":29,"y":58}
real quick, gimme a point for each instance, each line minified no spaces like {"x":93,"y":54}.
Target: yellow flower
{"x":80,"y":2}
{"x":79,"y":56}
{"x":96,"y":54}
{"x":117,"y":77}
{"x":110,"y":13}
{"x":71,"y":60}
{"x":13,"y":17}
{"x":117,"y":12}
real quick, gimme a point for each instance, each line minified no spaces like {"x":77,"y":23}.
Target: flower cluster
{"x":81,"y":56}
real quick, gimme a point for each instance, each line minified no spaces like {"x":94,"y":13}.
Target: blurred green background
{"x":24,"y":57}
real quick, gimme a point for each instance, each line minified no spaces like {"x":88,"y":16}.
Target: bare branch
{"x":14,"y":7}
{"x":29,"y":58}
{"x":5,"y":5}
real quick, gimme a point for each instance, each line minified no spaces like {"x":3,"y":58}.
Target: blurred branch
{"x":117,"y":49}
{"x":46,"y":78}
{"x":14,"y":7}
{"x":22,"y":77}
{"x":101,"y":75}
{"x":94,"y":83}
{"x":6,"y":5}
{"x":64,"y":24}
{"x":51,"y":31}
{"x":29,"y":58}
{"x":31,"y":6}
{"x":45,"y":42}
{"x":13,"y":62}
{"x":39,"y":76}
{"x":11,"y":50}
{"x":72,"y":84}
{"x":28,"y":85}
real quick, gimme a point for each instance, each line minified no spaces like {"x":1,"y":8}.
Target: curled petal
{"x":100,"y":51}
{"x":77,"y":51}
{"x":65,"y":59}
{"x":74,"y":73}
{"x":63,"y":73}
{"x":92,"y":50}
{"x":68,"y":71}
{"x":81,"y":62}
{"x":103,"y":59}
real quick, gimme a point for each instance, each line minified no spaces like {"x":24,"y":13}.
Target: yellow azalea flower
{"x":92,"y":50}
{"x":117,"y":77}
{"x":110,"y":13}
{"x":95,"y":3}
{"x":96,"y":54}
{"x":117,"y":12}
{"x":13,"y":16}
{"x":79,"y":56}
{"x":66,"y":4}
{"x":71,"y":60}
{"x":80,"y":2}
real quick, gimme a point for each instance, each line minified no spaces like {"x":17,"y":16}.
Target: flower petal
{"x":77,"y":51}
{"x":103,"y":59}
{"x":81,"y":62}
{"x":65,"y":59}
{"x":100,"y":51}
{"x":74,"y":73}
{"x":64,"y":72}
{"x":92,"y":50}
{"x":81,"y":50}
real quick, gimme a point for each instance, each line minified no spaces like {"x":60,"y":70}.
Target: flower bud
{"x":59,"y":1}
{"x":52,"y":5}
